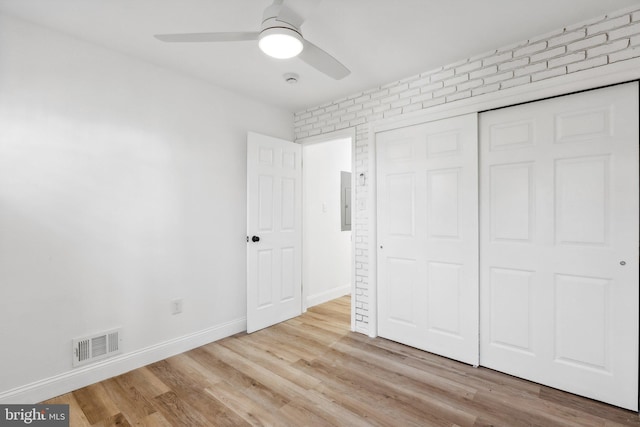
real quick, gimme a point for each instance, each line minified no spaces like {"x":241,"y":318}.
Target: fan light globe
{"x":281,"y":43}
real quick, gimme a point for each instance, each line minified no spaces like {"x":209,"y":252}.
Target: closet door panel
{"x":428,"y":237}
{"x":559,"y":243}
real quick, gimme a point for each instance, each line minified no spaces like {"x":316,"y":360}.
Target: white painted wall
{"x":326,"y":250}
{"x":122,"y":186}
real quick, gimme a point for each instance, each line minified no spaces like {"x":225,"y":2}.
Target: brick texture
{"x":593,"y":43}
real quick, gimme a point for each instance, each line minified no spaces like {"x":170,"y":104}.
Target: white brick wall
{"x":594,"y":43}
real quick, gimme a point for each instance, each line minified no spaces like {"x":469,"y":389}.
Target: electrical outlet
{"x":176,"y":306}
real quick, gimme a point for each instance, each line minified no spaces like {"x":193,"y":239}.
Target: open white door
{"x":274,"y":236}
{"x":427,"y":179}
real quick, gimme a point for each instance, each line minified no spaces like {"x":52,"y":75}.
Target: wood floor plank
{"x":118,"y":420}
{"x":178,"y":412}
{"x":393,"y":395}
{"x":144,"y":381}
{"x":393,"y":368}
{"x":269,"y":345}
{"x":479,"y":378}
{"x":191,"y":392}
{"x":131,"y":403}
{"x":220,"y":368}
{"x":294,"y":412}
{"x":244,"y":406}
{"x":195,"y":371}
{"x":260,"y":393}
{"x":312,"y":370}
{"x":95,"y":403}
{"x":76,"y":415}
{"x":306,"y":399}
{"x":154,"y":420}
{"x":582,"y":405}
{"x":270,"y":362}
{"x":278,"y":340}
{"x":375,"y":398}
{"x":320,"y":321}
{"x":306,"y":347}
{"x":359,"y":402}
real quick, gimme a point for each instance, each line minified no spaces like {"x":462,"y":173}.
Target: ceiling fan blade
{"x":322,"y":61}
{"x":290,"y":17}
{"x":207,"y":37}
{"x":296,"y":12}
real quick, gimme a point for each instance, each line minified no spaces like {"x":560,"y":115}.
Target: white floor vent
{"x":97,"y":347}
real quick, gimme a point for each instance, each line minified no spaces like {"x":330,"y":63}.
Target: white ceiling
{"x":378,"y":40}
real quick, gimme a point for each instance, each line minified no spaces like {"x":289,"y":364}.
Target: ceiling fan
{"x":279,"y":37}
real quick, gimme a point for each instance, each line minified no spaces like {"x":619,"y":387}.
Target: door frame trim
{"x":619,"y":72}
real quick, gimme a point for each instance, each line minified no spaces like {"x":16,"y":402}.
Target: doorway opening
{"x":327,"y":246}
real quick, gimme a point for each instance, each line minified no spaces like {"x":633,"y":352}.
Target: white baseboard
{"x":82,"y":377}
{"x":329,"y":295}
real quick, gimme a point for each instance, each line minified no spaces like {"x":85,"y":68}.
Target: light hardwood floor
{"x":312,"y":371}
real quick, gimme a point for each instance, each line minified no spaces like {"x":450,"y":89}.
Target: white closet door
{"x":427,"y":195}
{"x":559,"y":243}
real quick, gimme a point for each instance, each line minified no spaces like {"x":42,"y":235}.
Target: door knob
{"x":255,"y":239}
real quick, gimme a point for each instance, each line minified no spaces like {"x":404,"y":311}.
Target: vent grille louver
{"x":96,"y":347}
{"x":83,"y":352}
{"x":113,"y":342}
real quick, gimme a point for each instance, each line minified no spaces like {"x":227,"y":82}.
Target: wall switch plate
{"x":176,"y":306}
